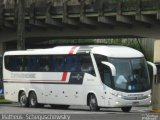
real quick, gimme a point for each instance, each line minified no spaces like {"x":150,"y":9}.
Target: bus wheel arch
{"x":32,"y":99}
{"x":126,"y":109}
{"x":92,"y":102}
{"x":22,"y":98}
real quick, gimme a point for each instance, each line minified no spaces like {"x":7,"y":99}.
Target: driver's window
{"x":104,"y":71}
{"x":106,"y":78}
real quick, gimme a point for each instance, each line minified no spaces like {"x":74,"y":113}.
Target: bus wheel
{"x":93,"y":103}
{"x":33,"y":100}
{"x":126,"y":109}
{"x":23,"y":99}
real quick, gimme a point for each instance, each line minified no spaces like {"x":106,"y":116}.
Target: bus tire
{"x":33,"y":100}
{"x":126,"y":109}
{"x":23,"y":100}
{"x":93,"y":103}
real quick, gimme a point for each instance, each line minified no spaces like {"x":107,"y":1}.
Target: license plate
{"x":135,"y":103}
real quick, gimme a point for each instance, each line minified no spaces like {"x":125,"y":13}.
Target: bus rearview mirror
{"x":111,"y":66}
{"x":152,"y":72}
{"x":153,"y":67}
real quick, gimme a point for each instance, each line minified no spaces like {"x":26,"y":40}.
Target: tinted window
{"x":73,"y":63}
{"x":50,"y":63}
{"x":86,"y":64}
{"x":14,"y":63}
{"x":99,"y":59}
{"x":106,"y":76}
{"x":60,"y":62}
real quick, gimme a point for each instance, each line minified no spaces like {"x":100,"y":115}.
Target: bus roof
{"x":117,"y":51}
{"x":107,"y":50}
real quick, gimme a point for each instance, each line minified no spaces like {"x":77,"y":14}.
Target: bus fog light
{"x":117,"y":102}
{"x":119,"y":96}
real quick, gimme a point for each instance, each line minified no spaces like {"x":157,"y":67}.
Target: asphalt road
{"x":14,"y":111}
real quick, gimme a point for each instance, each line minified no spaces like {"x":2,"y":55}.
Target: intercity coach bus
{"x":97,"y":76}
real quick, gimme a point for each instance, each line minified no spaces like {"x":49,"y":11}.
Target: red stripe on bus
{"x":64,"y":76}
{"x":72,"y":50}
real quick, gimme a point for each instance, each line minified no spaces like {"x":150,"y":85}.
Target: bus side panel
{"x":11,"y":91}
{"x":39,"y":89}
{"x":69,"y":92}
{"x":64,"y":94}
{"x":93,"y":85}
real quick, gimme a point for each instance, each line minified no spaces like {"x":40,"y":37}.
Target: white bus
{"x":97,"y":76}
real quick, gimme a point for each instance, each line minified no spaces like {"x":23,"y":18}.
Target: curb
{"x":155,"y":110}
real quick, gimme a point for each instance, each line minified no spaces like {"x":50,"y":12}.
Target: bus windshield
{"x":131,"y":74}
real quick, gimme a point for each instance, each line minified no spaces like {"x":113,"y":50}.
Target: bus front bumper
{"x":122,"y":102}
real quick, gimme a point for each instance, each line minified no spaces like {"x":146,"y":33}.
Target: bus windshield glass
{"x":131,"y":74}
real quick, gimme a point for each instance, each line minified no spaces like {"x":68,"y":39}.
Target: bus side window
{"x":21,"y":63}
{"x":72,"y":63}
{"x":32,"y":63}
{"x":69,"y":63}
{"x":25,"y":63}
{"x":86,"y":64}
{"x":76,"y":64}
{"x":60,"y":63}
{"x":8,"y":64}
{"x":14,"y":64}
{"x":44,"y":63}
{"x":18,"y":63}
{"x":53,"y":63}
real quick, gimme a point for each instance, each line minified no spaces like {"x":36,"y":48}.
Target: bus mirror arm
{"x":154,"y":67}
{"x":111,"y":66}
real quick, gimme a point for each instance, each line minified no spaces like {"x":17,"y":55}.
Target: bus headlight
{"x":117,"y":95}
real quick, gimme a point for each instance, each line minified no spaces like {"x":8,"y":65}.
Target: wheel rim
{"x":33,"y":100}
{"x":93,"y":102}
{"x":23,"y":99}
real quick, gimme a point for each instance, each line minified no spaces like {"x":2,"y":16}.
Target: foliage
{"x":4,"y":101}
